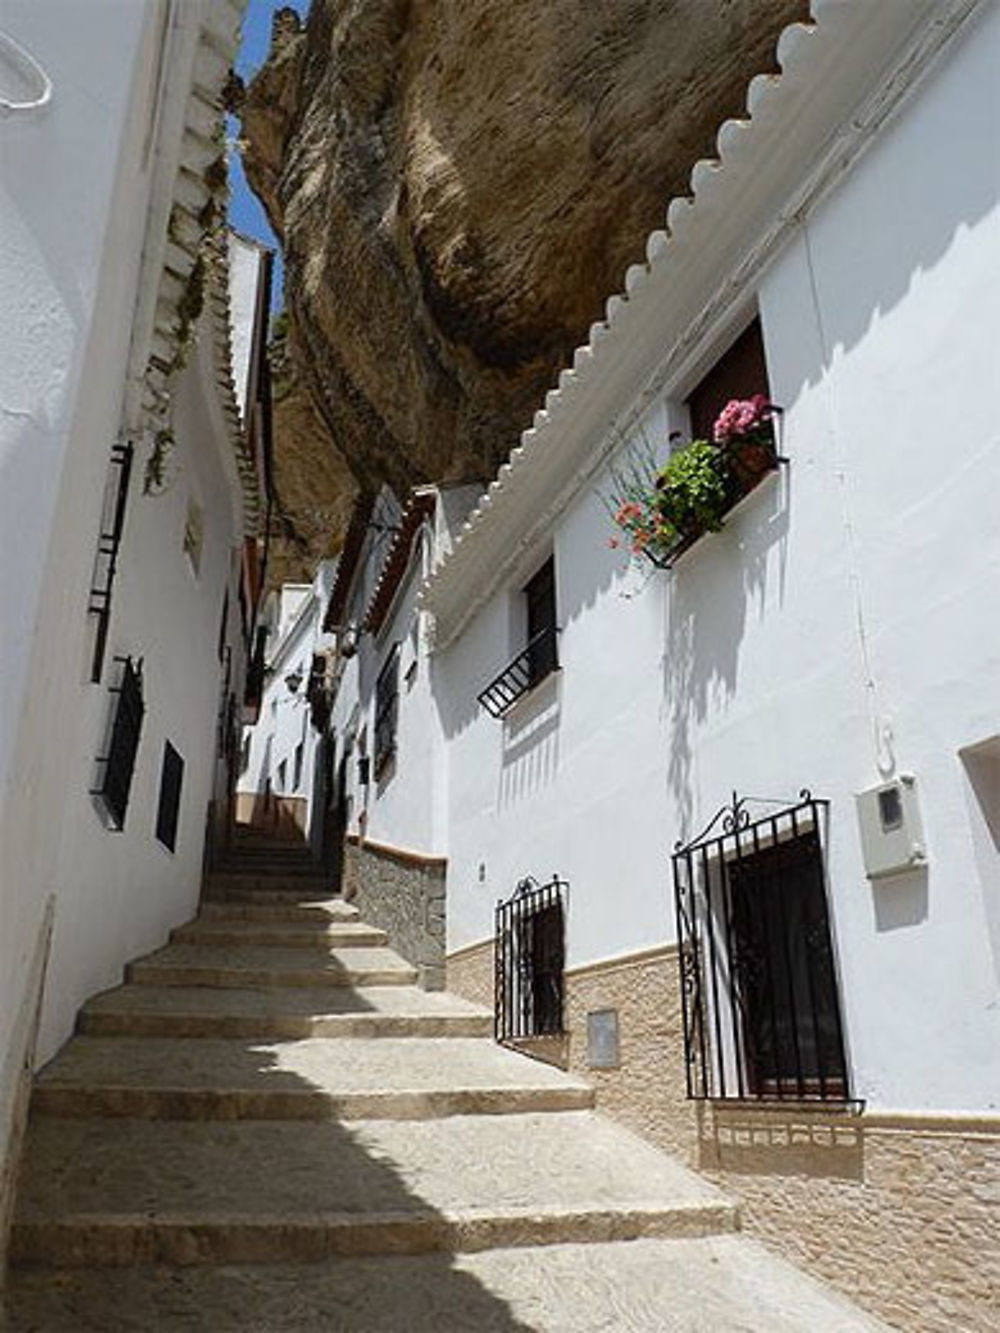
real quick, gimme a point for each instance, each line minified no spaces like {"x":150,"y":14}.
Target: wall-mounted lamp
{"x":293,"y":680}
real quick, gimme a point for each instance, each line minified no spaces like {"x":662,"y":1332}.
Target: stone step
{"x":141,"y":1192}
{"x":411,"y":1078}
{"x":715,"y":1284}
{"x":329,"y":910}
{"x":247,"y":965}
{"x":330,"y":1011}
{"x":213,"y":933}
{"x":254,"y":894}
{"x":254,"y":880}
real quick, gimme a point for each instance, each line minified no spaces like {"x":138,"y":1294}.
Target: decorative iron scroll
{"x":759,"y":995}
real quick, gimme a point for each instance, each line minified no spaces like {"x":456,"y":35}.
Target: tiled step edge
{"x":110,"y":1240}
{"x":264,"y":978}
{"x":86,"y":1101}
{"x":118,"y":1023}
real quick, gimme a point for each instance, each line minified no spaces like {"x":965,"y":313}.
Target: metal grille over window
{"x":758,"y":980}
{"x":530,"y":960}
{"x":108,"y":543}
{"x":386,"y":711}
{"x":126,"y":728}
{"x":168,"y":809}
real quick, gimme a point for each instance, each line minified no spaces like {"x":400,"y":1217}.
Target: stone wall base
{"x":403,"y":893}
{"x":900,"y":1211}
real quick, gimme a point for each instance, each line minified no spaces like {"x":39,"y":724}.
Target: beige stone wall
{"x":900,"y":1211}
{"x":403,"y":893}
{"x":469,"y":972}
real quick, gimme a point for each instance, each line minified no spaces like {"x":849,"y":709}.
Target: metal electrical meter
{"x":892,"y":835}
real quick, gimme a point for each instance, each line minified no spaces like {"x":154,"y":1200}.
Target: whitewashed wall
{"x":853,"y":596}
{"x":284,"y":721}
{"x":119,"y":893}
{"x":73,"y":193}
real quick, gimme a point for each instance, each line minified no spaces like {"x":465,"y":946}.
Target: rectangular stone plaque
{"x":602,"y":1039}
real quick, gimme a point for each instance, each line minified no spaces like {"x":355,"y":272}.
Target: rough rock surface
{"x":459,"y":184}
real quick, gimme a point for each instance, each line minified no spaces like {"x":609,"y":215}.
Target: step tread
{"x":291,"y":1001}
{"x":352,"y":1065}
{"x":344,"y":960}
{"x":530,"y":1163}
{"x":715,"y":1284}
{"x":267,"y":933}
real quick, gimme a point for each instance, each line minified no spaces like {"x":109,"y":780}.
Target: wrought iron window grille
{"x":759,"y":991}
{"x":386,"y":711}
{"x":126,"y":729}
{"x":530,"y":961}
{"x":106,"y":559}
{"x":538,"y":659}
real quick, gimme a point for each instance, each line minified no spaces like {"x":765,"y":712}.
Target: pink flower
{"x":740,"y":416}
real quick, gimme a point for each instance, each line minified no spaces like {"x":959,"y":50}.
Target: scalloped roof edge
{"x":899,"y":41}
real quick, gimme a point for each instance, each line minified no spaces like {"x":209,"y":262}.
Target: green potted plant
{"x":691,"y":493}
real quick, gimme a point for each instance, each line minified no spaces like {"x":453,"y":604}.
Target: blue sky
{"x":245,"y":213}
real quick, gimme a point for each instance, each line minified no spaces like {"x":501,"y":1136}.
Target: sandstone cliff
{"x":459,"y":185}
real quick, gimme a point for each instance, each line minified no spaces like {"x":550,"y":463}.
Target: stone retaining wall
{"x":403,"y":893}
{"x":900,"y":1211}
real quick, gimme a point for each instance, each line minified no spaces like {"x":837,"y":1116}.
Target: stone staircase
{"x":270,"y":1127}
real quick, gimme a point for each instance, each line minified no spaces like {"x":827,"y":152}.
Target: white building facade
{"x":609,"y":724}
{"x":132,"y":497}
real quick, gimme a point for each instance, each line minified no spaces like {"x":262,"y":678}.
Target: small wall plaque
{"x":602,"y":1039}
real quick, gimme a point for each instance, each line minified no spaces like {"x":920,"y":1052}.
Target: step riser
{"x":83,"y":1102}
{"x":262,"y":978}
{"x":291,"y":1027}
{"x":298,"y":911}
{"x":113,"y":1242}
{"x":289,"y":897}
{"x":220,"y":938}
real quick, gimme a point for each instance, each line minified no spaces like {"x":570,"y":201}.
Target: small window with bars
{"x":386,"y":712}
{"x":169,"y":806}
{"x":530,"y":961}
{"x":118,"y":764}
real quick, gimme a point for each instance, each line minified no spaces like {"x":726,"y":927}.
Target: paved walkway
{"x":269,"y":1127}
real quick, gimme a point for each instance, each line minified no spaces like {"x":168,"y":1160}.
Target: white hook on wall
{"x":30,"y":70}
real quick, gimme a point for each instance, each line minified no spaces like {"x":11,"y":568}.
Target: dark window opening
{"x":530,"y":957}
{"x":282,"y":775}
{"x":223,"y":627}
{"x":169,"y":806}
{"x":759,"y":987}
{"x":741,"y":372}
{"x":297,"y":776}
{"x":540,"y":604}
{"x":540,"y":656}
{"x":123,"y":744}
{"x":386,"y":711}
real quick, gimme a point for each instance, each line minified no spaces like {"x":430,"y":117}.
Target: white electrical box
{"x":892,"y":835}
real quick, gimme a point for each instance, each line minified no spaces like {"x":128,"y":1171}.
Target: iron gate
{"x":758,"y":981}
{"x":530,"y":958}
